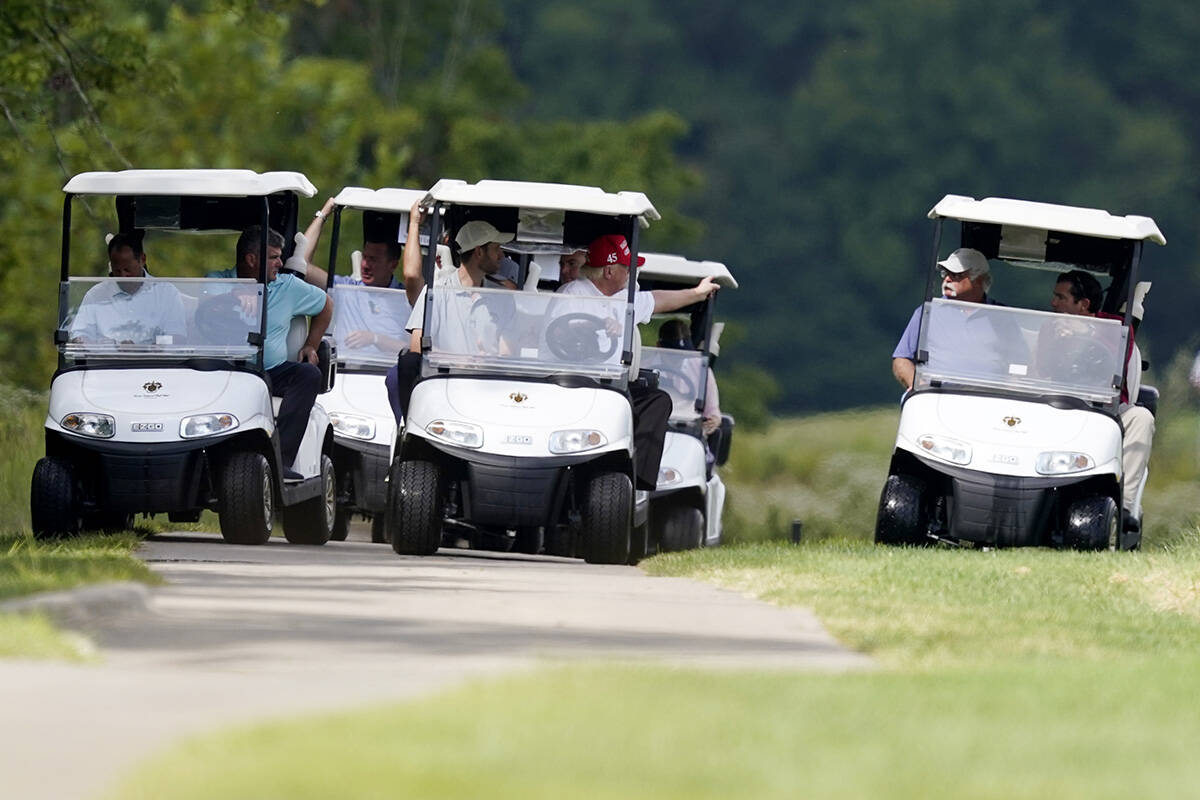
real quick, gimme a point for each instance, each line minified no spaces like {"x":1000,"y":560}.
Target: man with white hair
{"x":966,"y":276}
{"x":607,"y":274}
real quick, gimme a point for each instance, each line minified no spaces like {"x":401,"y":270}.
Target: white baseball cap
{"x":478,"y":232}
{"x":966,"y":259}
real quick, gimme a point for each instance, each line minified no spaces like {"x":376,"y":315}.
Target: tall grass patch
{"x":22,"y":443}
{"x":824,"y":470}
{"x":28,"y":566}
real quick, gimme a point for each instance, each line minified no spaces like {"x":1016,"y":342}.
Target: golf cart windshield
{"x":368,"y":325}
{"x":681,"y":374}
{"x":156,"y":318}
{"x":499,"y":330}
{"x":1021,"y":350}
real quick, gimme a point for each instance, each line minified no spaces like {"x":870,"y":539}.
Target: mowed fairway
{"x":1004,"y":674}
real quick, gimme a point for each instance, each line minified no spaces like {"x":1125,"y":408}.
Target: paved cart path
{"x":244,"y":633}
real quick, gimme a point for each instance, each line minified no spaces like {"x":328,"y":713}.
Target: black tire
{"x":341,"y":524}
{"x":379,"y":530}
{"x":902,"y":518}
{"x":682,"y":528}
{"x":246,"y":504}
{"x":607,"y":519}
{"x":529,"y":540}
{"x":54,"y":500}
{"x":312,"y":521}
{"x":1091,"y":524}
{"x":415,"y":507}
{"x":639,"y":543}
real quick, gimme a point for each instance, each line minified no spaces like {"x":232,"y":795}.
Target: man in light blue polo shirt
{"x":297,"y":382}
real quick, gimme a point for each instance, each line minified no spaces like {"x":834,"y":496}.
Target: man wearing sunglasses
{"x":965,"y":276}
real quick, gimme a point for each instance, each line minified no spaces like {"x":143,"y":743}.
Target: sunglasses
{"x":952,"y":276}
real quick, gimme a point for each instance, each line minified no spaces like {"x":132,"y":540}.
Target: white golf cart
{"x":686,"y":508}
{"x":521,"y":427}
{"x":368,"y":328}
{"x":1011,"y":434}
{"x":160,"y":403}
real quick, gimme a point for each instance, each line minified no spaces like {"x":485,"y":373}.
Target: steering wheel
{"x":573,"y":337}
{"x":680,"y":380}
{"x":219,"y":320}
{"x":1086,"y":359}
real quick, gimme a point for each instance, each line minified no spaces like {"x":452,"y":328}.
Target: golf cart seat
{"x":1148,"y":399}
{"x":326,"y":360}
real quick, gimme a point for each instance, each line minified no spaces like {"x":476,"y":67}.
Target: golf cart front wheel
{"x":246,"y":505}
{"x":312,"y":521}
{"x":415,"y":507}
{"x":682,"y":528}
{"x":53,"y":500}
{"x":379,"y":529}
{"x":607,"y":519}
{"x":341,"y":525}
{"x":901,"y":519}
{"x":1091,"y":524}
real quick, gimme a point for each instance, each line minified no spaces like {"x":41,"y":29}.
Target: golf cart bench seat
{"x":326,"y":362}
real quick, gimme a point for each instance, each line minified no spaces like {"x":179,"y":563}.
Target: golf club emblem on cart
{"x":151,"y":386}
{"x":1012,"y":422}
{"x":518,"y":397}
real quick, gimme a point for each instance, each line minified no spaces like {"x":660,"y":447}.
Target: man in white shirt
{"x":608,"y":271}
{"x":479,"y":256}
{"x":137,"y":312}
{"x":367,"y":321}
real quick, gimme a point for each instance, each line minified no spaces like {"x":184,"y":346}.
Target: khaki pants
{"x":1139,"y":435}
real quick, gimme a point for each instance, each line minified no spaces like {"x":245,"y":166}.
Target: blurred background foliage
{"x":800,"y":144}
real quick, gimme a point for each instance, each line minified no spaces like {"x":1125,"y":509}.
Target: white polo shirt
{"x":643,"y":302}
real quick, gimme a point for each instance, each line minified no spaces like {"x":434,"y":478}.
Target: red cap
{"x":610,"y":249}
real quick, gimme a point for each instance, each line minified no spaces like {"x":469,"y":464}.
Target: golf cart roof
{"x":1047,"y":217}
{"x":390,"y":200}
{"x":677,"y":269}
{"x":544,"y":196}
{"x":190,"y":182}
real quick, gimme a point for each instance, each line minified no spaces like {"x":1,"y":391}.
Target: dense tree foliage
{"x":826,"y":131}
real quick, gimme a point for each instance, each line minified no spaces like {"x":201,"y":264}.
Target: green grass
{"x":1095,"y":731}
{"x":933,"y":609}
{"x":22,"y":443}
{"x":28,"y":566}
{"x":33,"y":636}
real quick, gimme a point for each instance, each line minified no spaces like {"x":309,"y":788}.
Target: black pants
{"x":399,"y":382}
{"x":651,"y":410}
{"x":298,"y":383}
